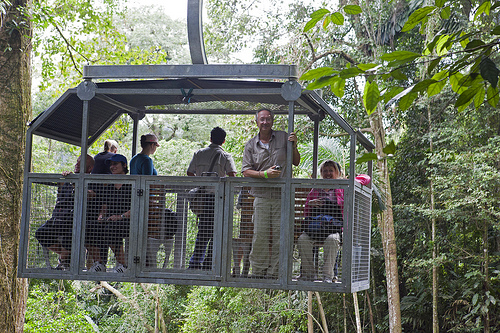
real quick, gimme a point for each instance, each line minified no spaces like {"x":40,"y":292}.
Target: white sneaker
{"x":97,"y":267}
{"x":119,"y":268}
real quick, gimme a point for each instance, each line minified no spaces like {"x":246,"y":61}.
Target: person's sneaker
{"x":306,"y":278}
{"x":62,"y":265}
{"x":330,"y":280}
{"x":119,"y":268}
{"x":97,"y":267}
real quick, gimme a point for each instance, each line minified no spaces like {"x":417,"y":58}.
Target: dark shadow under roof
{"x":63,"y":120}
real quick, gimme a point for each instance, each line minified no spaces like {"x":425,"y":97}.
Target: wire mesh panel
{"x":318,"y":229}
{"x":200,"y":233}
{"x":179,"y":227}
{"x":132,"y":229}
{"x":162,"y":224}
{"x":256,"y":230}
{"x":107,"y":226}
{"x":242,"y":231}
{"x":360,"y":267}
{"x":50,"y":227}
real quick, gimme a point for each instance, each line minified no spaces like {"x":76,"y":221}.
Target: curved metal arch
{"x":195,"y":32}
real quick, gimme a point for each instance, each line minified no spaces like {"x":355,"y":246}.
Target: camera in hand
{"x":277,"y":167}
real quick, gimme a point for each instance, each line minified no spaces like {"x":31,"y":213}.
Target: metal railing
{"x":161,"y":239}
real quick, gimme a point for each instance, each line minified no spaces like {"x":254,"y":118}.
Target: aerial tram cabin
{"x":159,"y":237}
{"x":161,"y":223}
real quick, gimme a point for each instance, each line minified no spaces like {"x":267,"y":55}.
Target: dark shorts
{"x":55,"y":232}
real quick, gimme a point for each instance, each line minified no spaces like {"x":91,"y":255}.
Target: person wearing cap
{"x":113,"y":221}
{"x":100,"y":165}
{"x":142,"y":164}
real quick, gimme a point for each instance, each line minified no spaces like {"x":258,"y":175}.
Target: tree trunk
{"x":15,"y":111}
{"x":435,"y":282}
{"x":356,"y":312}
{"x":486,"y":274}
{"x":386,"y":225}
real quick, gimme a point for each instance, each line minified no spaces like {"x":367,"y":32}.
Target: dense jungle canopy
{"x":418,"y":77}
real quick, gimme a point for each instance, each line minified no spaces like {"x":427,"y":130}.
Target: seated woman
{"x":113,"y":223}
{"x":321,"y":202}
{"x":327,"y":205}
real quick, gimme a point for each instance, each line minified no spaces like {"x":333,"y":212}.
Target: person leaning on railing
{"x":56,"y":233}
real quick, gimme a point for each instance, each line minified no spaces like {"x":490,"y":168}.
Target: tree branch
{"x":123,"y":298}
{"x":325,"y":54}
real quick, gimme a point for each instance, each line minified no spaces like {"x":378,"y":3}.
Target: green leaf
{"x":492,"y":96}
{"x":496,"y":30}
{"x":433,"y":65}
{"x":439,"y":3}
{"x":371,"y":97}
{"x":479,"y":98}
{"x":470,"y":80}
{"x":436,"y":88}
{"x":327,"y":21}
{"x":407,"y":100}
{"x":440,"y":75}
{"x":338,"y":87}
{"x":365,"y":67}
{"x":366,"y":158}
{"x":321,"y":82}
{"x":483,"y":8}
{"x":445,"y":13}
{"x":390,"y":149}
{"x":391,"y":93}
{"x":337,"y":18}
{"x":350,"y":72}
{"x":441,"y":48}
{"x":475,"y":299}
{"x":474,"y":44}
{"x":399,"y":55}
{"x":464,"y":39}
{"x":489,"y":71}
{"x":466,"y":97}
{"x":422,"y":85}
{"x":462,"y":108}
{"x":455,"y":83}
{"x":398,"y":74}
{"x":311,"y":24}
{"x":352,"y":9}
{"x":417,"y":16}
{"x":397,"y":63}
{"x":431,"y":45}
{"x":317,"y":73}
{"x":320,"y":13}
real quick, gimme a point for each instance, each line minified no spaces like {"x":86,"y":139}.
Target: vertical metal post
{"x":315,"y":147}
{"x":135,"y":130}
{"x":25,"y":216}
{"x":86,"y":92}
{"x":195,"y":32}
{"x":290,"y":91}
{"x":347,"y":247}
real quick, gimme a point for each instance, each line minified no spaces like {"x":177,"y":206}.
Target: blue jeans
{"x":202,"y":258}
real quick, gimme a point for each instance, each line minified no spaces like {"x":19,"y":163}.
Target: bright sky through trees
{"x":176,"y":9}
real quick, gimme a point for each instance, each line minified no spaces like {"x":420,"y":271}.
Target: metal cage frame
{"x":83,"y":113}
